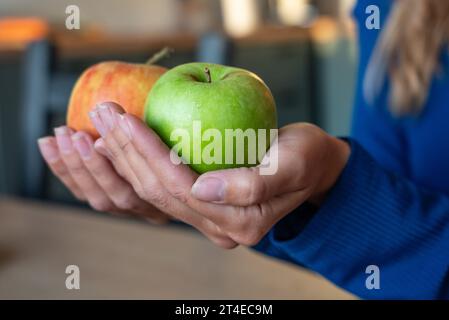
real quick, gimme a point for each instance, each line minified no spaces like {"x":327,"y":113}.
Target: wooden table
{"x":123,"y":258}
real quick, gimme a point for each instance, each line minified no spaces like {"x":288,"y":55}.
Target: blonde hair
{"x":408,"y":51}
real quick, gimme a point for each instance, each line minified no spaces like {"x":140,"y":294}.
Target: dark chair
{"x":45,"y":91}
{"x":216,"y":48}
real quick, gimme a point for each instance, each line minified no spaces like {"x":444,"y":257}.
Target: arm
{"x":373,"y":217}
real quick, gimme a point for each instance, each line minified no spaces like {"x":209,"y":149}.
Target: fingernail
{"x":63,"y":139}
{"x":82,"y":145}
{"x":124,"y":125}
{"x":107,"y":116}
{"x":209,"y":189}
{"x":48,"y":149}
{"x":98,"y":124}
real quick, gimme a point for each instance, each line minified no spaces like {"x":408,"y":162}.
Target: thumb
{"x":297,"y":157}
{"x":239,"y":187}
{"x":248,"y":186}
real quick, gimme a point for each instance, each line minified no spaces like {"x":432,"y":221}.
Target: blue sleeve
{"x":381,"y":135}
{"x":373,"y":217}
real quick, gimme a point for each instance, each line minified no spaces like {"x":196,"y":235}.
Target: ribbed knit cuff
{"x":372,"y":217}
{"x":333,"y":241}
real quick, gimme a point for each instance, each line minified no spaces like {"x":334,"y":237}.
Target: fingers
{"x":176,"y":178}
{"x":50,"y":152}
{"x":149,"y":184}
{"x":100,"y":147}
{"x":72,"y":160}
{"x":123,"y":153}
{"x":229,"y":206}
{"x":251,"y":218}
{"x":118,"y":190}
{"x":141,"y":150}
{"x":154,"y":191}
{"x":112,"y":149}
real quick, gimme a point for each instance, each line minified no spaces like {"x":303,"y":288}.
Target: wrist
{"x":335,"y":160}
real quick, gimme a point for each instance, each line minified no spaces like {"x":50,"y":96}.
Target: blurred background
{"x":303,"y":49}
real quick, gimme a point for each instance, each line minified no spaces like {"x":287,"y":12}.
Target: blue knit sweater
{"x":390,"y":206}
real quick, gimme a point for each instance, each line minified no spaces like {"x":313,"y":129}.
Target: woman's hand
{"x":238,"y":205}
{"x":90,"y":176}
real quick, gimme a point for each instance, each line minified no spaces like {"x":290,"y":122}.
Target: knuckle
{"x":77,"y":169}
{"x":124,"y":205}
{"x":123,"y":143}
{"x":158,"y":219}
{"x":125,"y":201}
{"x":302,"y":172}
{"x":240,"y":221}
{"x":112,"y":187}
{"x":78,"y":195}
{"x":112,"y":149}
{"x":180,"y":194}
{"x":140,"y":191}
{"x":255,"y":190}
{"x":224,"y":243}
{"x":216,"y":235}
{"x":121,"y":170}
{"x":212,"y":229}
{"x":97,"y":169}
{"x":249,"y":238}
{"x":156,"y":198}
{"x":125,"y":146}
{"x":247,"y":232}
{"x":60,"y":171}
{"x":101,"y":205}
{"x":259,"y":190}
{"x":115,"y":153}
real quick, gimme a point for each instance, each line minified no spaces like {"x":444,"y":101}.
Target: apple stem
{"x":161,"y":54}
{"x":208,"y":77}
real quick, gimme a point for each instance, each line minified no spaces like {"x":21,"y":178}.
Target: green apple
{"x":201,"y":110}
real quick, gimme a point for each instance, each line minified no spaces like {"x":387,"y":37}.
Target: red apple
{"x":127,"y":84}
